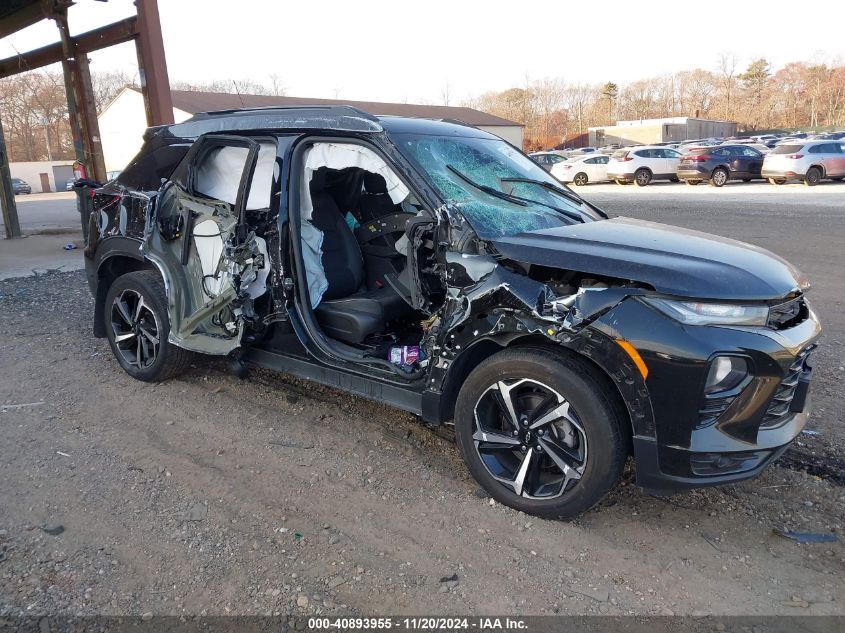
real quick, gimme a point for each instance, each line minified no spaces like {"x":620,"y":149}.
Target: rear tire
{"x":692,"y":182}
{"x":813,"y":176}
{"x":137,"y":328}
{"x":581,"y":179}
{"x":719,"y":177}
{"x":622,"y":182}
{"x":674,"y":179}
{"x":568,"y":463}
{"x":777,"y":181}
{"x":642,"y":177}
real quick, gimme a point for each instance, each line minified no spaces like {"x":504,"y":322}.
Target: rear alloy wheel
{"x":777,"y":181}
{"x":580,"y":179}
{"x":642,"y":177}
{"x":137,"y":327}
{"x":540,"y":433}
{"x":813,"y":176}
{"x":719,"y":177}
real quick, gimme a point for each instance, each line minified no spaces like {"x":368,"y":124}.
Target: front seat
{"x":345,"y":312}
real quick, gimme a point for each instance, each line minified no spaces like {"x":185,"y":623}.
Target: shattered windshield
{"x":475,"y":174}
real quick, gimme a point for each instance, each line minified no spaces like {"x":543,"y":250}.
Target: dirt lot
{"x":209,"y":494}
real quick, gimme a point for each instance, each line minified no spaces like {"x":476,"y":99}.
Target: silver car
{"x":809,"y":161}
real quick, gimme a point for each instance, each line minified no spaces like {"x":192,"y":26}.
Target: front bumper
{"x":685,"y":447}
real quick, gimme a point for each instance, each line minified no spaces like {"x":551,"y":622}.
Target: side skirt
{"x":405,"y":399}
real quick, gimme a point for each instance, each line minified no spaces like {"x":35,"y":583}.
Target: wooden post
{"x":152,"y":65}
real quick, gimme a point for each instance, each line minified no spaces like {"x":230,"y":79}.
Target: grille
{"x":782,"y":400}
{"x":788,"y":314}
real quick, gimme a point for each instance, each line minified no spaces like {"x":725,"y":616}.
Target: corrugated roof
{"x":193,"y":102}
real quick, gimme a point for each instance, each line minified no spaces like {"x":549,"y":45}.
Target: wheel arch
{"x":485,"y":348}
{"x":820,"y":167}
{"x":109,"y":269}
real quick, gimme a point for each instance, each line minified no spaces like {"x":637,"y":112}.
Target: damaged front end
{"x":489,"y":298}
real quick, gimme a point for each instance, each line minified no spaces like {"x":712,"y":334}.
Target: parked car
{"x":719,"y":164}
{"x":21,"y":187}
{"x":475,"y":289}
{"x":581,"y":170}
{"x":547,"y":160}
{"x":643,"y":164}
{"x":834,"y":136}
{"x":809,"y":161}
{"x":69,"y":184}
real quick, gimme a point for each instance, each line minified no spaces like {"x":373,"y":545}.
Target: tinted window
{"x":602,"y":160}
{"x":556,"y":159}
{"x":787,"y":149}
{"x":644,"y":153}
{"x":147,"y":169}
{"x":750,"y":151}
{"x":592,"y":161}
{"x":670,"y":153}
{"x":722,"y":151}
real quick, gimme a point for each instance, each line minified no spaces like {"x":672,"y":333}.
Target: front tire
{"x":642,"y":177}
{"x":541,"y":432}
{"x":580,"y":179}
{"x":137,"y":328}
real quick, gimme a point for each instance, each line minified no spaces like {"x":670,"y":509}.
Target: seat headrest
{"x":318,"y":179}
{"x":374,"y":183}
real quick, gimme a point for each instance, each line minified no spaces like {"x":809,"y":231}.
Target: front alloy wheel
{"x":580,"y":179}
{"x":542,"y":431}
{"x":529,"y":438}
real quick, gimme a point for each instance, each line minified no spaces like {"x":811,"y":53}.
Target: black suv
{"x":434,"y":267}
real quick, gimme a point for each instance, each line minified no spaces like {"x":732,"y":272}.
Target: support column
{"x":7,"y":194}
{"x":152,"y":65}
{"x":88,"y":108}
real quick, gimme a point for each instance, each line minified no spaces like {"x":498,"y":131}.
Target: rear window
{"x":786,"y":149}
{"x":145,"y":171}
{"x":620,"y":153}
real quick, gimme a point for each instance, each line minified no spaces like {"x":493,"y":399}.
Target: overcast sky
{"x":410,"y":50}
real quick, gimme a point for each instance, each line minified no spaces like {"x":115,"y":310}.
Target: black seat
{"x":375,"y":201}
{"x":345,"y":312}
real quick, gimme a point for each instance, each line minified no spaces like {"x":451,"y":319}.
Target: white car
{"x":809,"y":161}
{"x":643,"y":164}
{"x":582,"y":169}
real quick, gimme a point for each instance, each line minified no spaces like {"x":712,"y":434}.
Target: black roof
{"x":343,"y":118}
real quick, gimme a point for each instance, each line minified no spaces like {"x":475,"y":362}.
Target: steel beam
{"x":7,"y":193}
{"x":88,"y":42}
{"x":152,"y":65}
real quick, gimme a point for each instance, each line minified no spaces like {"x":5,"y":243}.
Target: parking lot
{"x":208,"y":494}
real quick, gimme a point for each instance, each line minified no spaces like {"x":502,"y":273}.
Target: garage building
{"x":122,"y":122}
{"x":646,"y":131}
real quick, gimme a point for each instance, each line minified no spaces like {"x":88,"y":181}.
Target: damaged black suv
{"x":434,"y":267}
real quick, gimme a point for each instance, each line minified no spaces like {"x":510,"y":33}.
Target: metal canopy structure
{"x":72,"y":52}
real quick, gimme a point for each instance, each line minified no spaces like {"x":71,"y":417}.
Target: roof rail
{"x":316,"y":117}
{"x":347,"y":110}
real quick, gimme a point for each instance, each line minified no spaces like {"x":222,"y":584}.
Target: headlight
{"x":702,"y":313}
{"x":726,"y":372}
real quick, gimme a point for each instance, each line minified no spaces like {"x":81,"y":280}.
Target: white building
{"x":123,"y":121}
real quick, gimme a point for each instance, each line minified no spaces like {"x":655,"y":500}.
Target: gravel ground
{"x":212,"y":495}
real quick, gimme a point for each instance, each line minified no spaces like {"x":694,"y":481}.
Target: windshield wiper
{"x":488,"y":190}
{"x":566,"y":193}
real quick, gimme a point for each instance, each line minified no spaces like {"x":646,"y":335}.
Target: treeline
{"x":33,"y":108}
{"x":758,"y":97}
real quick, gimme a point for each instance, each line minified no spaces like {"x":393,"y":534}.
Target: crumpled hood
{"x":672,"y":260}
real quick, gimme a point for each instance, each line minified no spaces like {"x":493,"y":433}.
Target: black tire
{"x":777,"y":181}
{"x":604,"y":438}
{"x":692,"y":182}
{"x":746,"y":180}
{"x":813,"y":176}
{"x":622,"y":182}
{"x":674,"y":179}
{"x":642,"y":177}
{"x":719,"y":177}
{"x":580,"y":179}
{"x":140,"y":326}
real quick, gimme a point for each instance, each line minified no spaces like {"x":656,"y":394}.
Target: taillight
{"x":695,"y":159}
{"x":795,"y":156}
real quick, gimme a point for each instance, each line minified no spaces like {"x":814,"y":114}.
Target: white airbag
{"x":219,"y":175}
